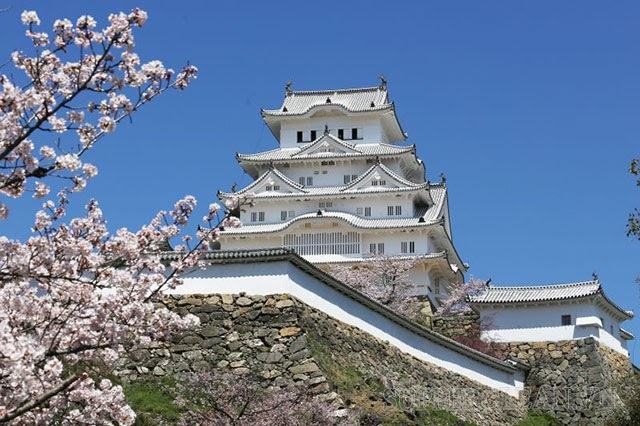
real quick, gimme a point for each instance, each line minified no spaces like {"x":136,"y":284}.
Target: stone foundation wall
{"x":241,"y":334}
{"x":457,"y":325}
{"x":274,"y":337}
{"x":575,"y":380}
{"x":407,"y":379}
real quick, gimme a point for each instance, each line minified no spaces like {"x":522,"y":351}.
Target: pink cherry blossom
{"x":74,"y":296}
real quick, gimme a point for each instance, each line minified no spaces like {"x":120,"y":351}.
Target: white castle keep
{"x":343,"y":186}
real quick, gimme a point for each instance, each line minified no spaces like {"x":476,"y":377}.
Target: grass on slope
{"x":367,"y":394}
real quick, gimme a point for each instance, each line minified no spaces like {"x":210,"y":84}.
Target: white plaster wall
{"x":539,"y":323}
{"x":379,"y":203}
{"x":370,"y":127}
{"x":284,"y":277}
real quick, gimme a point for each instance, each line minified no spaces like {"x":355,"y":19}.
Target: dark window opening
{"x":299,"y":136}
{"x":566,"y":320}
{"x":341,"y":133}
{"x":313,"y":135}
{"x":354,"y":133}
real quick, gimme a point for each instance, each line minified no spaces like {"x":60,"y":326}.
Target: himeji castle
{"x":344,"y":185}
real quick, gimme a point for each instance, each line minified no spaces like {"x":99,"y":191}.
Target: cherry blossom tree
{"x":456,"y":300}
{"x":386,"y":279}
{"x":226,"y":399}
{"x":73,"y":296}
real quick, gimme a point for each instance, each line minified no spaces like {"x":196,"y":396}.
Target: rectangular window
{"x":566,"y":320}
{"x":254,"y":216}
{"x":359,"y":211}
{"x":341,"y":133}
{"x":325,"y":204}
{"x":299,"y":136}
{"x":403,"y":247}
{"x":283,"y":215}
{"x":374,"y":182}
{"x":347,"y":179}
{"x":354,"y":177}
{"x":354,"y":133}
{"x":398,"y":210}
{"x":260,"y":216}
{"x":309,"y":180}
{"x":382,"y":182}
{"x":436,"y":286}
{"x":301,"y":180}
{"x":367,"y":211}
{"x":376,"y":248}
{"x":412,"y":247}
{"x":389,"y":210}
{"x":313,"y":135}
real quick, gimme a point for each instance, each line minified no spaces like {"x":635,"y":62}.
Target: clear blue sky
{"x":532,"y":111}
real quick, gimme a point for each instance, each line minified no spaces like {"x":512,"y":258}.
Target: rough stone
{"x":289,"y":331}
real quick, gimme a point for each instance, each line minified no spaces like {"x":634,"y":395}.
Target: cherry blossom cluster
{"x":80,"y":80}
{"x":456,"y":300}
{"x":229,"y":399}
{"x":73,"y":294}
{"x":385,"y":279}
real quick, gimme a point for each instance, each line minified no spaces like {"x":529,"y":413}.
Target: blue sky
{"x":531,"y":110}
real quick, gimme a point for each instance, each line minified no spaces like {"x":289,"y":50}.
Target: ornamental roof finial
{"x":594,"y":275}
{"x":383,"y":82}
{"x":326,"y":129}
{"x":287,"y":88}
{"x":443,"y":178}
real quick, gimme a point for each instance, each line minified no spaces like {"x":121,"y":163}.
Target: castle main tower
{"x":342,"y":186}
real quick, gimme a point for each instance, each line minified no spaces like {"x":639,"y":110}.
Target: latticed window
{"x":323,"y":243}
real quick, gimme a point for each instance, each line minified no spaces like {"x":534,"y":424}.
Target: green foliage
{"x":153,"y":401}
{"x":633,"y":225}
{"x":535,"y":418}
{"x":432,"y":416}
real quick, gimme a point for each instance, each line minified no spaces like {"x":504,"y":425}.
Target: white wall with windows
{"x":368,"y":129}
{"x":368,"y":206}
{"x":552,"y":322}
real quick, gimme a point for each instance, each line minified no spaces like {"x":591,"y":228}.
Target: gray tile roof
{"x":280,"y":254}
{"x":359,"y":150}
{"x":545,"y":293}
{"x":355,"y":221}
{"x":353,"y":100}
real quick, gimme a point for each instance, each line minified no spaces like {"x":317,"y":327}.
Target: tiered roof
{"x":547,"y":293}
{"x":300,"y":103}
{"x":351,"y":188}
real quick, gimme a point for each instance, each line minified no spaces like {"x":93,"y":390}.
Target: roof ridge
{"x":346,"y":90}
{"x":545,"y":286}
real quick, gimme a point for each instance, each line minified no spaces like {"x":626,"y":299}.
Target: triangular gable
{"x":273,"y":177}
{"x":327,"y":143}
{"x":384,"y":176}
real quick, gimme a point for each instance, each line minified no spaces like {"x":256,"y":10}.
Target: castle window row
{"x":353,"y":134}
